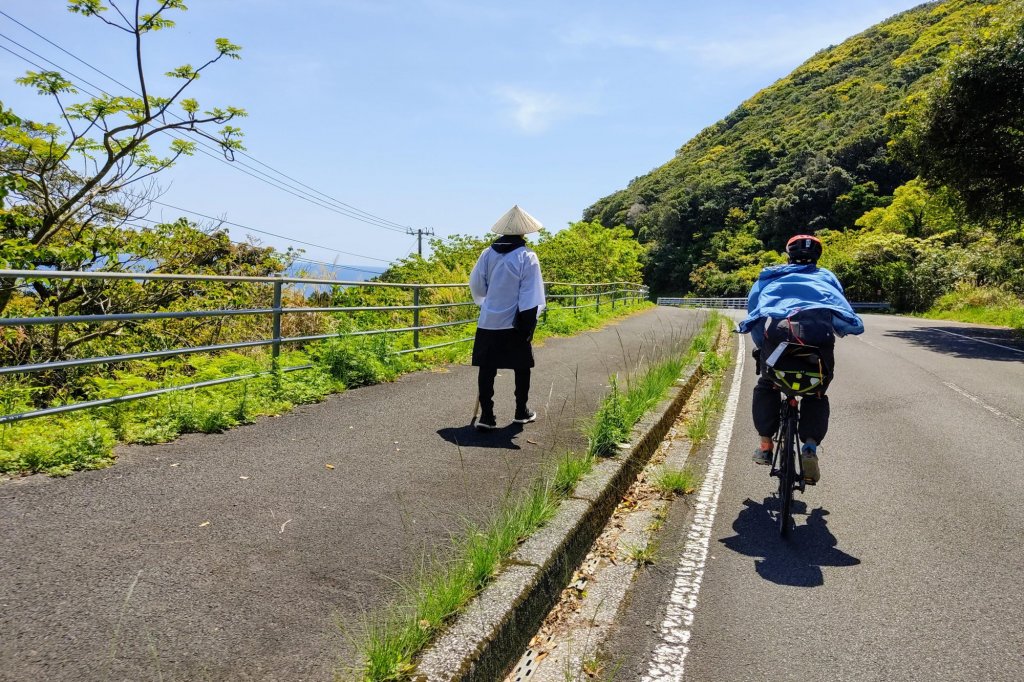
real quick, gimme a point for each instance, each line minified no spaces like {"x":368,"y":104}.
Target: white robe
{"x":505,"y":283}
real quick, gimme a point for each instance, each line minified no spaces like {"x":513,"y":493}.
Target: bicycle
{"x":785,"y":463}
{"x":796,"y":370}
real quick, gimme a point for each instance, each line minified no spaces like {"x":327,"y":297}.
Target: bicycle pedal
{"x":809,"y":481}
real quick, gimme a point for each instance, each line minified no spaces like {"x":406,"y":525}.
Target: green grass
{"x":641,"y":555}
{"x":698,"y":427}
{"x":443,"y":588}
{"x":677,"y":481}
{"x":980,"y":305}
{"x":87,"y":438}
{"x":620,"y":411}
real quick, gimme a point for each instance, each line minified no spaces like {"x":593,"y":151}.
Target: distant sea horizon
{"x":344,"y":273}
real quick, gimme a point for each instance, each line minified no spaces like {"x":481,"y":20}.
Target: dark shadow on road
{"x":795,"y":560}
{"x":470,"y":437}
{"x":966,"y":342}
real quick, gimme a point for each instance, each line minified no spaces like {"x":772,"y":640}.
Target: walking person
{"x":507,"y":285}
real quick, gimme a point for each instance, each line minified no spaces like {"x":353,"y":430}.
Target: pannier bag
{"x":797,"y":370}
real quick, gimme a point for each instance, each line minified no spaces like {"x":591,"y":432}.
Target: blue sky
{"x":441,"y":113}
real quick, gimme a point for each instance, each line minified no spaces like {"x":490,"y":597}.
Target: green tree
{"x":97,"y":166}
{"x":915,"y":211}
{"x":971,"y":133}
{"x":590,"y":252}
{"x":8,"y":181}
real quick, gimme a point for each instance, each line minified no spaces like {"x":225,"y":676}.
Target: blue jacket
{"x":783,"y":290}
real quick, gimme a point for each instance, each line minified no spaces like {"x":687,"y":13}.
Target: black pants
{"x":485,"y":385}
{"x":814,"y":411}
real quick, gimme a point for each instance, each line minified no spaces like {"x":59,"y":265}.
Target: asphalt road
{"x":908,"y":558}
{"x":242,"y":556}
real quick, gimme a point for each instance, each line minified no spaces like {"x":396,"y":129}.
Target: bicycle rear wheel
{"x":787,"y":471}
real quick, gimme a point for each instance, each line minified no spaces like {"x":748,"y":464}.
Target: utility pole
{"x":419,"y":237}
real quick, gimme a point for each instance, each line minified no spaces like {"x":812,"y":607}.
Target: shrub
{"x":984,"y":305}
{"x":357,"y":361}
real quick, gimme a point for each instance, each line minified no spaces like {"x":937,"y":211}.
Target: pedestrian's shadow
{"x":795,"y":560}
{"x":471,"y":437}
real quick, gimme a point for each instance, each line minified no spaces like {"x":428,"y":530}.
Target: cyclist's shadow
{"x":796,"y":560}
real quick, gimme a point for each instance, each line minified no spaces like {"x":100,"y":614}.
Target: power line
{"x":342,"y":208}
{"x":294,"y":257}
{"x":185,"y":210}
{"x":236,"y":165}
{"x":271,"y":234}
{"x":132,"y":90}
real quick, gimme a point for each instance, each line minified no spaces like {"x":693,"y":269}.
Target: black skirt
{"x":502,"y":348}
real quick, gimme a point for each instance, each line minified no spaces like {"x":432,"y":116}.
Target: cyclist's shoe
{"x":487,"y":422}
{"x":525,"y":416}
{"x":809,"y":463}
{"x":762,"y":456}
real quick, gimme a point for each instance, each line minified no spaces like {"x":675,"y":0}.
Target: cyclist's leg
{"x":814,"y":410}
{"x":814,"y":415}
{"x":765,"y":407}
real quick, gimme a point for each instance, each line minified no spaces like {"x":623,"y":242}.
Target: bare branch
{"x":128,"y":23}
{"x":138,"y":62}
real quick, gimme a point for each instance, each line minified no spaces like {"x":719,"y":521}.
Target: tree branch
{"x":138,"y":62}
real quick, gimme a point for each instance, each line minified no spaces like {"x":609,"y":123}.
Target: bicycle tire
{"x":787,"y":471}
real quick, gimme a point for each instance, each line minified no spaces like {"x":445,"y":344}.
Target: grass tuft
{"x":641,"y":556}
{"x":677,"y":481}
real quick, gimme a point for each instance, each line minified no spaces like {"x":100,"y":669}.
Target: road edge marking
{"x":669,"y":657}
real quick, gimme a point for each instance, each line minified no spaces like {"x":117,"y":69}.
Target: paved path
{"x":236,"y":556}
{"x":907,"y":560}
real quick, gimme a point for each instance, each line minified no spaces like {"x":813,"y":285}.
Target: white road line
{"x":669,"y":656}
{"x":1013,"y":420}
{"x":971,"y":338}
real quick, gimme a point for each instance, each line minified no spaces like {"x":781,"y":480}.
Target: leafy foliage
{"x":814,"y":153}
{"x":67,"y":184}
{"x":970,"y":136}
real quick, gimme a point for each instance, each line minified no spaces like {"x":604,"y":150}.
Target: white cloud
{"x":767,"y":49}
{"x":533,"y":111}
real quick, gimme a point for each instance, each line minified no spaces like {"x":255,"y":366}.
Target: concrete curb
{"x":488,"y":638}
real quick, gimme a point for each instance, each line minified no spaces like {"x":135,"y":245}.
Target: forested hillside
{"x":901,"y":147}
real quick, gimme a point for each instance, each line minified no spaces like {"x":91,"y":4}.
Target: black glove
{"x":757,"y":361}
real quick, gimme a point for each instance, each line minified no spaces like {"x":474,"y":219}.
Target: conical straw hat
{"x":516,"y":221}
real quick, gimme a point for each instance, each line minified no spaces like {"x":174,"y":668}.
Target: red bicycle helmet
{"x":803,"y":248}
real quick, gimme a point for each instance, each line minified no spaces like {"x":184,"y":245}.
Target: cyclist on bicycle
{"x":802,"y":304}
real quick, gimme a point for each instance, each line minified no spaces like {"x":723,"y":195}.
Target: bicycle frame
{"x":785,"y":463}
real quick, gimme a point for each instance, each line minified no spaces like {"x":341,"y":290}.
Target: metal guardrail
{"x":730,"y":303}
{"x":606,"y":293}
{"x":741,"y":303}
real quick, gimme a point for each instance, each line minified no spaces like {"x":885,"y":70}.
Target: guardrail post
{"x":614,"y":294}
{"x":416,"y":317}
{"x":575,"y":305}
{"x":599,"y":298}
{"x":275,"y":349}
